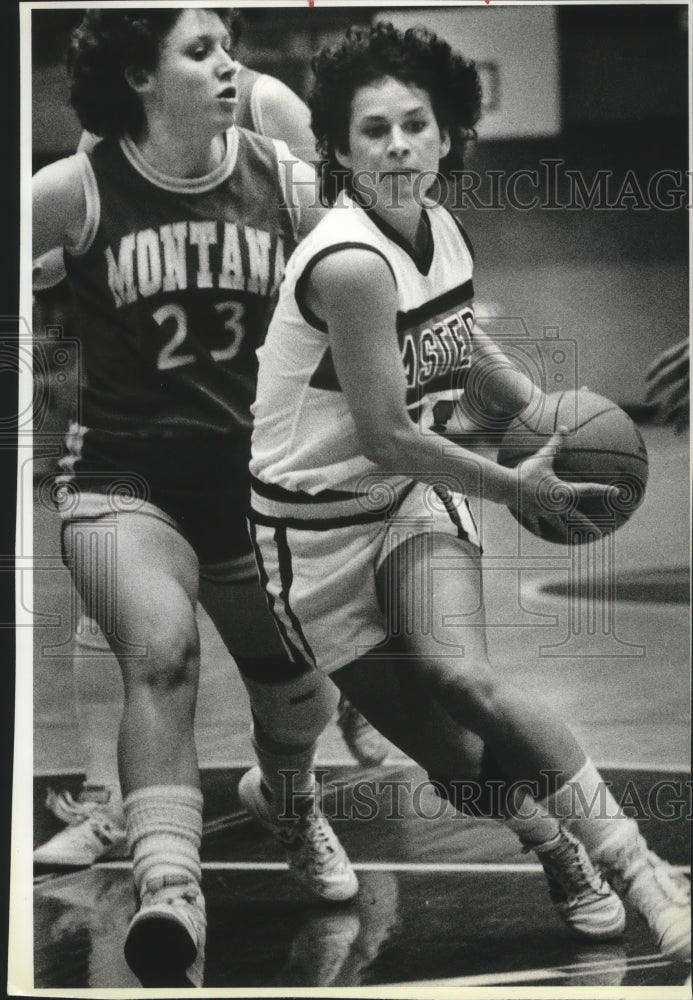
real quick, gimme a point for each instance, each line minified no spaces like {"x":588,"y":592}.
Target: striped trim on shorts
{"x":318,"y":557}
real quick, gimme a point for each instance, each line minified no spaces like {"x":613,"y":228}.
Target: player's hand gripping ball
{"x":602,"y":445}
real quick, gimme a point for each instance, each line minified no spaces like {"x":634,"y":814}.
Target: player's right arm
{"x":353,"y":291}
{"x":59,"y":205}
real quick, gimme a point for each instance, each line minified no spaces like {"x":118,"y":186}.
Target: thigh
{"x":430,"y":588}
{"x":430,"y":591}
{"x":137,"y":577}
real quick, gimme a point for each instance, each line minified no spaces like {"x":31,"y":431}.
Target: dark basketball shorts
{"x":199,"y":488}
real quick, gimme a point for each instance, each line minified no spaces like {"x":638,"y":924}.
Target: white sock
{"x":164,"y":827}
{"x":589,"y":810}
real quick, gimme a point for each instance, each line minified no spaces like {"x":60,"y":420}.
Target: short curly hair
{"x":103,"y":46}
{"x":416,"y":56}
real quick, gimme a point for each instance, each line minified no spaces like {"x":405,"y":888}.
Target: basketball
{"x":603,"y":445}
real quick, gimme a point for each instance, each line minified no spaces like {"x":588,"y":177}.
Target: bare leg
{"x":446,"y":669}
{"x":451,"y":669}
{"x":291,"y":707}
{"x":138,"y":579}
{"x":139,"y":582}
{"x":240,"y":614}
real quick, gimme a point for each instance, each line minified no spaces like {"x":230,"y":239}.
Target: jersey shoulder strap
{"x":462,"y":230}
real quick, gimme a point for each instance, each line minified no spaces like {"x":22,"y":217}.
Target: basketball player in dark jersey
{"x":94,"y":819}
{"x":176,"y":228}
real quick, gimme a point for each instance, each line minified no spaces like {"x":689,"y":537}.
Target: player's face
{"x":394,"y":135}
{"x":193,"y":82}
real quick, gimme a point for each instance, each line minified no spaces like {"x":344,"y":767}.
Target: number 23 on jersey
{"x":174,"y":354}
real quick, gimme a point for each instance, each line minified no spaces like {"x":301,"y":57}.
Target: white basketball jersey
{"x":304,"y":436}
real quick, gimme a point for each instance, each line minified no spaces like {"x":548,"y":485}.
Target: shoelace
{"x":350,"y":717}
{"x":351,"y":721}
{"x":87,"y":826}
{"x":187,"y":892}
{"x":101,"y":829}
{"x":316,"y":833}
{"x":357,"y":724}
{"x":178,"y":898}
{"x":573,"y":876}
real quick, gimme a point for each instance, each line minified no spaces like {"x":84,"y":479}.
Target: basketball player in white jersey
{"x":364,"y":539}
{"x":176,"y":227}
{"x":94,"y":819}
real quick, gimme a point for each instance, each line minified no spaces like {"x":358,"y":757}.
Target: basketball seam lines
{"x":556,"y":411}
{"x":593,"y":416}
{"x":602,"y":451}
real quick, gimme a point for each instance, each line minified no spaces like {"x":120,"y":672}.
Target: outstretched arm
{"x":283,"y":115}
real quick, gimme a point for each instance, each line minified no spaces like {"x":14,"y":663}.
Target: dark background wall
{"x":613,"y":277}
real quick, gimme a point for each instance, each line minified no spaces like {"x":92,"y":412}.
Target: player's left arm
{"x":282,"y":114}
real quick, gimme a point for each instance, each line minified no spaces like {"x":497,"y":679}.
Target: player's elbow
{"x":387,"y":446}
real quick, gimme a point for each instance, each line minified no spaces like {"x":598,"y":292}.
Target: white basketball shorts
{"x":318,"y":564}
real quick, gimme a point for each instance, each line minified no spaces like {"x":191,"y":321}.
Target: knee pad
{"x":290,"y":709}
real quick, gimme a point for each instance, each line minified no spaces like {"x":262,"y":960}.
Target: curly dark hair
{"x":416,"y":56}
{"x":103,"y":46}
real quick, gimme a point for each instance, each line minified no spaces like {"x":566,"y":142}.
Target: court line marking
{"x":229,"y":765}
{"x":620,"y":765}
{"x":375,"y":866}
{"x":555,"y":972}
